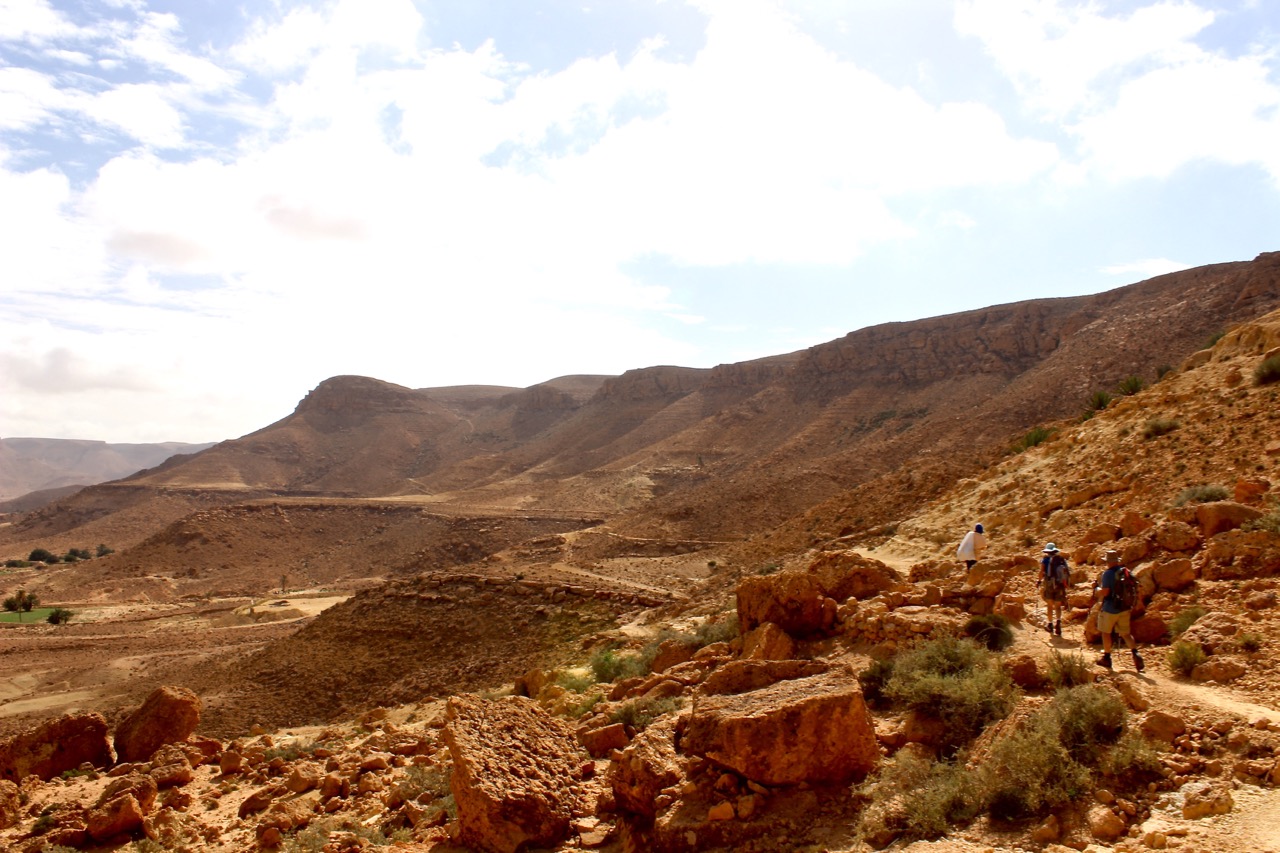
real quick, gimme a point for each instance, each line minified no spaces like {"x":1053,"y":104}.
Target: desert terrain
{"x":649,"y":612}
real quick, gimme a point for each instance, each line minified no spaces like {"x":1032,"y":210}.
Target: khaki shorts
{"x":1108,"y":622}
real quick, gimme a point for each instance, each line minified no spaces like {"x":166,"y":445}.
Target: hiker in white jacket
{"x":972,"y":546}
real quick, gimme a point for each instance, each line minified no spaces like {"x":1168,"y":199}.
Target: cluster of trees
{"x":44,"y":555}
{"x":24,"y":602}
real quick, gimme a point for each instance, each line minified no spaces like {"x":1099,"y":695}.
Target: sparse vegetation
{"x":915,"y":799}
{"x":1213,"y":339}
{"x":42,"y":555}
{"x":59,"y":616}
{"x":991,"y":630}
{"x":1201,"y":494}
{"x":17,"y":564}
{"x":1185,"y":618}
{"x":873,"y":680}
{"x":1157,"y":427}
{"x":1163,"y":370}
{"x":1268,"y":371}
{"x":21,"y":602}
{"x":1269,"y":522}
{"x":1068,"y":670}
{"x":1249,"y":641}
{"x":609,"y":666}
{"x":1033,"y":437}
{"x":1131,"y":385}
{"x":1088,"y":718}
{"x":1097,"y":402}
{"x":1184,"y":657}
{"x":639,"y":713}
{"x":1030,"y":771}
{"x":955,"y":681}
{"x":722,"y":630}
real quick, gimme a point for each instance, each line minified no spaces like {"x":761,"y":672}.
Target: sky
{"x":208,"y":207}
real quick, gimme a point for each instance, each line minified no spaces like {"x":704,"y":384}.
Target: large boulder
{"x":1174,"y":575}
{"x":768,"y":642}
{"x":647,"y":766}
{"x":169,"y":715}
{"x":1212,"y":632}
{"x":814,"y":729}
{"x":514,"y":771}
{"x":1175,"y":536}
{"x":804,"y":602}
{"x":1239,"y":554}
{"x":56,"y":746}
{"x":1220,"y":516}
{"x":10,"y":804}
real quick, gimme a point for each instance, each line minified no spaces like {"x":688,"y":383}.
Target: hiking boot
{"x":1105,"y":661}
{"x":1057,"y":629}
{"x":1049,"y":627}
{"x":1137,"y":662}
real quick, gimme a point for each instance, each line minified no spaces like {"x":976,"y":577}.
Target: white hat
{"x":1051,"y":548}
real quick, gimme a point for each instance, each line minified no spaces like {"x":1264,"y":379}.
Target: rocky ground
{"x":588,"y":687}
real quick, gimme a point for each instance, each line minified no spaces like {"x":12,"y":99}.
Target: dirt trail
{"x":1254,"y":823}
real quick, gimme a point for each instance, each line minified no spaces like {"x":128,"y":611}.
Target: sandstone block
{"x":1202,"y":799}
{"x":768,"y":642}
{"x":1220,"y":669}
{"x":1250,"y":490}
{"x":671,"y":653}
{"x":601,"y":741}
{"x":1101,"y":533}
{"x":169,"y":715}
{"x":1105,"y":824}
{"x":1149,"y":629}
{"x":1133,"y":524}
{"x":10,"y":804}
{"x":1162,"y":726}
{"x":1221,"y":516}
{"x":116,"y":817}
{"x":814,"y":729}
{"x":1212,"y":631}
{"x":1176,"y":536}
{"x":645,"y":768}
{"x":1174,"y":575}
{"x":55,"y":746}
{"x":514,"y":766}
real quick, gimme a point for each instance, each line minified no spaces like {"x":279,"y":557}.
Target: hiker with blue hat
{"x":1055,"y":577}
{"x":972,"y":546}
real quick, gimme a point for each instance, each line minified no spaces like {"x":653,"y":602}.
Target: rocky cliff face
{"x":771,"y":437}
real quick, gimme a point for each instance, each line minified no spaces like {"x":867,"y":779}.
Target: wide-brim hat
{"x":1051,"y":548}
{"x":1111,"y":557}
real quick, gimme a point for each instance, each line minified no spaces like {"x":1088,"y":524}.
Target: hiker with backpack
{"x":972,"y":546}
{"x":1118,"y":589}
{"x":1055,"y":577}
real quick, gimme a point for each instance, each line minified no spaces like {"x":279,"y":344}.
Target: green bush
{"x":639,"y":713}
{"x":17,"y":564}
{"x":1201,"y":494}
{"x":59,"y":616}
{"x":1133,"y":761}
{"x":1068,"y":670}
{"x":722,"y":630}
{"x":1163,"y":370}
{"x":914,"y":799}
{"x":1029,"y":771}
{"x":1034,"y":437}
{"x":1098,"y":401}
{"x":103,"y":550}
{"x":609,"y":666}
{"x":1250,"y":642}
{"x":991,"y":630}
{"x":1213,"y":340}
{"x":1131,"y":385}
{"x":873,"y":680}
{"x":1157,"y":427}
{"x":42,"y":555}
{"x":954,"y":681}
{"x":1268,"y":371}
{"x":1088,"y":718}
{"x":1269,"y":522}
{"x":574,"y":681}
{"x":1185,"y":618}
{"x":1184,"y":657}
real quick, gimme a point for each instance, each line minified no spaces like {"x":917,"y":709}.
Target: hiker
{"x":1118,"y":590}
{"x":1055,"y":577}
{"x":972,"y":546}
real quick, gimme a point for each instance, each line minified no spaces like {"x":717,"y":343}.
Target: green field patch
{"x":40,"y":614}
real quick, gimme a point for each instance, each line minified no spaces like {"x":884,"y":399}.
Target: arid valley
{"x":677,"y":609}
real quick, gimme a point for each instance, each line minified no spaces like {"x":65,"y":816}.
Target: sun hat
{"x":1051,"y":548}
{"x":1112,"y":556}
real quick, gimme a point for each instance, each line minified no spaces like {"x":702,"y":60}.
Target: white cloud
{"x":1138,"y":93}
{"x":35,"y":20}
{"x":1145,"y":269}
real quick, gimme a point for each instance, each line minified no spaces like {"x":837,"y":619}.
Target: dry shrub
{"x":955,"y":681}
{"x":1184,"y":657}
{"x":912,"y":799}
{"x":1069,"y":670}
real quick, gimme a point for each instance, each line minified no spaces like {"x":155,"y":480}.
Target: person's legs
{"x":1106,"y":622}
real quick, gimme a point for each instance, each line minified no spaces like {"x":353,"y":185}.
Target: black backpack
{"x":1057,"y":574}
{"x":1124,"y":589}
